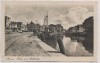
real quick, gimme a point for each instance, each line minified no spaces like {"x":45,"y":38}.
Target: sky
{"x":58,"y":12}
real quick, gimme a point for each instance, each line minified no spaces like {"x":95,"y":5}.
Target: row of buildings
{"x":17,"y":26}
{"x":30,"y":27}
{"x":81,"y":29}
{"x":11,"y":25}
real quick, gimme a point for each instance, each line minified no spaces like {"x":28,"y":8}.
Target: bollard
{"x":61,"y":46}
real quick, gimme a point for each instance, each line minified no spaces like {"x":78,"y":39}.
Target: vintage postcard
{"x":49,"y":30}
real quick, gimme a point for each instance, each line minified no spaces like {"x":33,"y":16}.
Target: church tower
{"x":46,"y":20}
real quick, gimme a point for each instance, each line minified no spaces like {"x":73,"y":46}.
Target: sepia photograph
{"x":49,"y":29}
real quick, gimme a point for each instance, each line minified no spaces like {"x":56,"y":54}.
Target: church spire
{"x":46,"y":19}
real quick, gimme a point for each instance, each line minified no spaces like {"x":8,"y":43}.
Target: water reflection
{"x":74,"y":47}
{"x":69,"y":45}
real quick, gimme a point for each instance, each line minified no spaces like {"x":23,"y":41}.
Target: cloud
{"x":75,"y":16}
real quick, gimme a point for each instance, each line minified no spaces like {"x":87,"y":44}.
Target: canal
{"x":69,"y":45}
{"x":74,"y":47}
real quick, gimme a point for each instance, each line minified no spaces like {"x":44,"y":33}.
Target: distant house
{"x":80,"y":28}
{"x":16,"y":26}
{"x":33,"y":27}
{"x":37,"y":27}
{"x":24,"y":27}
{"x":74,"y":29}
{"x":30,"y":26}
{"x":55,"y":29}
{"x":7,"y":22}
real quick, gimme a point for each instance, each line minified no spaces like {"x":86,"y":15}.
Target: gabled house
{"x":16,"y":26}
